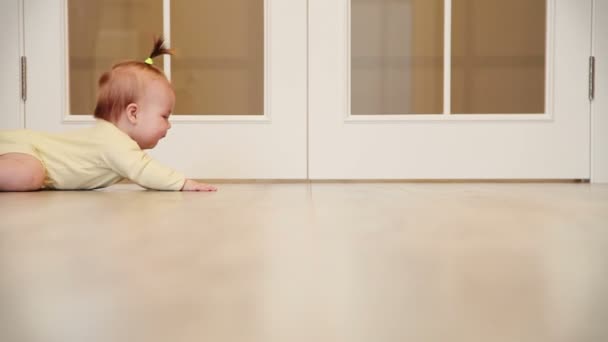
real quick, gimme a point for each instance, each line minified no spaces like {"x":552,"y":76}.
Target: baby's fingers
{"x":207,"y":188}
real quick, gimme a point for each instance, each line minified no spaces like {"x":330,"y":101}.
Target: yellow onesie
{"x":91,"y":158}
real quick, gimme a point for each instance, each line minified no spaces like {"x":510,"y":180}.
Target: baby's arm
{"x":140,"y":168}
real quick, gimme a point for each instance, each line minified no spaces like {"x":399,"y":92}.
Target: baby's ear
{"x":132,"y":111}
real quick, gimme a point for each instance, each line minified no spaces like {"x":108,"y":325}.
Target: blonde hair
{"x":124,"y":83}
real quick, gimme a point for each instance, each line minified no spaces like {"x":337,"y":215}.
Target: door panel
{"x":510,"y":145}
{"x":220,"y":64}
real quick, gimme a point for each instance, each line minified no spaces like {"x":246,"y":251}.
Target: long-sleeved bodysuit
{"x":91,"y":158}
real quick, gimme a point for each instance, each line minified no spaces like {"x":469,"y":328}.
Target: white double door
{"x":307,"y":130}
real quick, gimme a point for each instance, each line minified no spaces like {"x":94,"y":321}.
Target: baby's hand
{"x":191,"y":185}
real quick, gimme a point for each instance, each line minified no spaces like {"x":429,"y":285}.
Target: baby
{"x":134,"y":103}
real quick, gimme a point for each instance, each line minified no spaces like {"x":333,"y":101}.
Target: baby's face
{"x":155,"y":108}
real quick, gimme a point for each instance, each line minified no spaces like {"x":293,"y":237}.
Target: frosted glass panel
{"x":397,"y":56}
{"x":102,"y":33}
{"x":219,"y":66}
{"x":498,"y":56}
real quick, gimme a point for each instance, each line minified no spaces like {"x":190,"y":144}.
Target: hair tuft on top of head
{"x":125,"y":83}
{"x":160,"y":48}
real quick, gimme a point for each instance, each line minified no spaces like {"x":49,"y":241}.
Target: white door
{"x":240,"y":76}
{"x":449,"y":89}
{"x":10,"y":69}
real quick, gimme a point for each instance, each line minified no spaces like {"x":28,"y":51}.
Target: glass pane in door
{"x":498,"y":56}
{"x":219,"y":64}
{"x":102,"y":33}
{"x":397,"y":56}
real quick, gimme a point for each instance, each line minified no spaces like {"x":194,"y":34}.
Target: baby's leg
{"x":20,"y":172}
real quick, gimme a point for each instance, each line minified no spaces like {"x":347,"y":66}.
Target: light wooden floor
{"x":307,"y":262}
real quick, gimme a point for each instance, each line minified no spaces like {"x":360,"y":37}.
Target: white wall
{"x":599,"y":107}
{"x":10,"y":101}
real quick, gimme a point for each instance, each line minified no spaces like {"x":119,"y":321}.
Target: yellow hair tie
{"x":149,"y":61}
